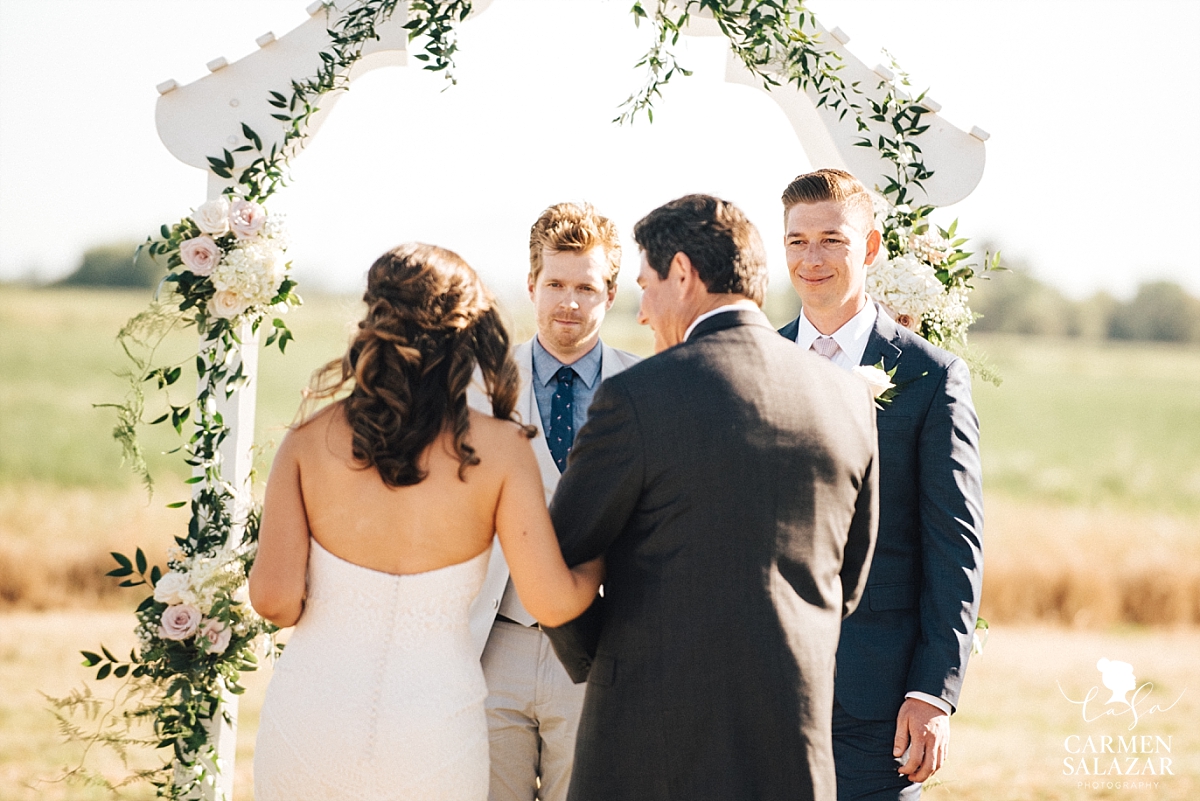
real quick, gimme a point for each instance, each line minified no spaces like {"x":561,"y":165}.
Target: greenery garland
{"x":196,"y":631}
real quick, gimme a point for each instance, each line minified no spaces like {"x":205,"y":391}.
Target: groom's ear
{"x":874,"y":241}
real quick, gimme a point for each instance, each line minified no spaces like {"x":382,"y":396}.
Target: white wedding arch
{"x":207,"y":123}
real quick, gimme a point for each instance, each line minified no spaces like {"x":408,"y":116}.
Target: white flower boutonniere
{"x":881,"y":383}
{"x":879,"y":380}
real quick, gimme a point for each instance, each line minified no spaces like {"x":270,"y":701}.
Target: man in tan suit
{"x":533,"y":707}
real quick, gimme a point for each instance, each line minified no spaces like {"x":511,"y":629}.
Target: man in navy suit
{"x":903,"y":653}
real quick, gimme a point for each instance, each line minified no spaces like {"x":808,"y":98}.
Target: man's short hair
{"x":836,"y":185}
{"x":574,"y":227}
{"x":723,"y":246}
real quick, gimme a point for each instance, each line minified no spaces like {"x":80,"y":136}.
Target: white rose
{"x":173,"y":588}
{"x":179,"y":622}
{"x":246,"y":218}
{"x":200,"y":254}
{"x":216,"y":634}
{"x":213,"y":217}
{"x":876,"y":379}
{"x":226,"y":304}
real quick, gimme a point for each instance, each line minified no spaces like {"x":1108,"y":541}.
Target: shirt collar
{"x":852,"y":337}
{"x":545,"y":365}
{"x":737,"y":305}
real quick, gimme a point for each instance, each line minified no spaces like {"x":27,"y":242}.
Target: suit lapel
{"x":881,"y":345}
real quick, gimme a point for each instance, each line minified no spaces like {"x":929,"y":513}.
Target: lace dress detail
{"x":379,"y":694}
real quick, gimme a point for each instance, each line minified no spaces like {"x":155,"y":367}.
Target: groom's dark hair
{"x":722,"y":244}
{"x":829,"y":184}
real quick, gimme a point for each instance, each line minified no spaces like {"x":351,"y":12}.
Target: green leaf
{"x":141,"y":561}
{"x":90,"y":659}
{"x":121,"y":671}
{"x":108,"y":654}
{"x":176,"y":504}
{"x":103,"y":672}
{"x":122,"y":560}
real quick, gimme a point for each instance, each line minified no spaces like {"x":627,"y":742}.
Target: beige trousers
{"x":532,"y":712}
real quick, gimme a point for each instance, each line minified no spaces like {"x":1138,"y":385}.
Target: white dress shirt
{"x":852,"y":341}
{"x":851,"y":337}
{"x":737,"y":305}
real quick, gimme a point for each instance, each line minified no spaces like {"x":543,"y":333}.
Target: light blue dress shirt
{"x":544,"y":382}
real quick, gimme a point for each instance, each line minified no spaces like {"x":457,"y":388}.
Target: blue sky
{"x":1091,"y":170}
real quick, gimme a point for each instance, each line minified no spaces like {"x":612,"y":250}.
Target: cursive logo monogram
{"x":1119,"y":679}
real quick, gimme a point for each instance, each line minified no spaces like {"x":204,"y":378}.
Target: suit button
{"x":495,"y":603}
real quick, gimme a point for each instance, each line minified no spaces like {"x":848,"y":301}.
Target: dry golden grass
{"x":39,"y":653}
{"x":1007,"y":739}
{"x":1089,"y":568}
{"x":1044,"y":563}
{"x":55,"y":541}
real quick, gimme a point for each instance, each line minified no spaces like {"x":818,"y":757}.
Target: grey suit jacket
{"x":913,"y":630}
{"x":486,"y":605}
{"x":730,"y":484}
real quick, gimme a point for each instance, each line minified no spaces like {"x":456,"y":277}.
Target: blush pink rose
{"x":226,"y":304}
{"x":246,"y":218}
{"x":179,"y":622}
{"x":200,"y":254}
{"x":217,"y":634}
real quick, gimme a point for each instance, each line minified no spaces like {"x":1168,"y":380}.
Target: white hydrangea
{"x":253,"y":271}
{"x":905,"y":284}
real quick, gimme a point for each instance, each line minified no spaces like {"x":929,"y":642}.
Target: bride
{"x":379,"y":514}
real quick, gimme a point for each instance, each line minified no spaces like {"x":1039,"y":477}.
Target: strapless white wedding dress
{"x":379,"y":693}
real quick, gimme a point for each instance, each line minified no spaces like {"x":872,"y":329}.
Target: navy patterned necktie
{"x":561,"y":435}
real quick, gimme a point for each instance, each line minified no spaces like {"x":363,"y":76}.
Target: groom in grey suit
{"x":729,"y":483}
{"x":903,"y":654}
{"x":532,"y":706}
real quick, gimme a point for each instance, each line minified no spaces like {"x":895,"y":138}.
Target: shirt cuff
{"x":930,"y":699}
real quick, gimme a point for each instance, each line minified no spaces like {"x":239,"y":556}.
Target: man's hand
{"x":925,"y":731}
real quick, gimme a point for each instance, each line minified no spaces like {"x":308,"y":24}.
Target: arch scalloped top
{"x":205,"y":117}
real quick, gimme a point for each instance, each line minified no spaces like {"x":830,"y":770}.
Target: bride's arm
{"x":277,"y":580}
{"x":550,"y":591}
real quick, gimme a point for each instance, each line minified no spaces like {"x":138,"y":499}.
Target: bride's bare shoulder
{"x":316,"y":430}
{"x":503,"y":440}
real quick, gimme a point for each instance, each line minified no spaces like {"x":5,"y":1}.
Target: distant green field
{"x":1076,"y":423}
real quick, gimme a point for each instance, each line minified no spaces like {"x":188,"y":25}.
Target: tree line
{"x":1012,"y":301}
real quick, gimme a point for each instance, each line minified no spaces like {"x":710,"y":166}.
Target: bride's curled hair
{"x":430,"y":322}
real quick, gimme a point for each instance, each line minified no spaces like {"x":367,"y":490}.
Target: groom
{"x":532,"y":705}
{"x":902,"y":655}
{"x":729,"y":482}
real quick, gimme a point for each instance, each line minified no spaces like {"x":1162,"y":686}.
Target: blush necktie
{"x":561,"y":435}
{"x":826,"y":346}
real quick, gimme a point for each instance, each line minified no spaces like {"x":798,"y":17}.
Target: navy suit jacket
{"x":914,"y":627}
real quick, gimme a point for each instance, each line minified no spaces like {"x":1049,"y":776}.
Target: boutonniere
{"x":880,"y":381}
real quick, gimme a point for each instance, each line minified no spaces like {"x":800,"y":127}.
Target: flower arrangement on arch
{"x":922,"y":275}
{"x":227,"y":260}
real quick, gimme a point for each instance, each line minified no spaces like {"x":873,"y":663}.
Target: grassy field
{"x":1091,"y":457}
{"x":1092,"y":470}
